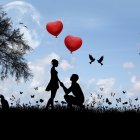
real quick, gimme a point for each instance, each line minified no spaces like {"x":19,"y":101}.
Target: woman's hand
{"x":61,"y":84}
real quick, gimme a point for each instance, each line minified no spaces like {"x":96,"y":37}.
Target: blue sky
{"x":109,"y":28}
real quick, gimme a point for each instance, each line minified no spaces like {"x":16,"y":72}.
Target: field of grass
{"x":62,"y":117}
{"x":75,"y":112}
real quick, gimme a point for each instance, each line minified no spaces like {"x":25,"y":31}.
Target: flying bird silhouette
{"x":101,"y":60}
{"x":91,"y":59}
{"x":21,"y":23}
{"x":136,"y":99}
{"x":32,"y":96}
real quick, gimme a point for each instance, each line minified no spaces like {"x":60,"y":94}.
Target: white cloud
{"x":136,"y":83}
{"x":47,"y":60}
{"x":93,"y":86}
{"x":128,"y":65}
{"x":92,"y":81}
{"x":134,"y":89}
{"x":65,"y":65}
{"x":107,"y":84}
{"x":138,"y":45}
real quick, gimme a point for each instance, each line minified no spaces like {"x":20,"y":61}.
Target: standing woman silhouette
{"x":53,"y":84}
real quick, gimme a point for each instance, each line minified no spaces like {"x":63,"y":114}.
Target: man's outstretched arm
{"x":67,"y":91}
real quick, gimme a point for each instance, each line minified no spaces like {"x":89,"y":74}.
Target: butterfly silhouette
{"x":124,"y":92}
{"x":112,"y":94}
{"x":92,"y":105}
{"x":25,"y":26}
{"x":93,"y":102}
{"x":13,"y":96}
{"x":56,"y":101}
{"x":101,"y":89}
{"x":63,"y":102}
{"x":36,"y":88}
{"x":130,"y":101}
{"x":91,"y":59}
{"x":125,"y":103}
{"x":18,"y":101}
{"x":100,"y":96}
{"x":101,"y":60}
{"x":90,"y":94}
{"x":11,"y":99}
{"x":107,"y":101}
{"x":118,"y":100}
{"x":41,"y":100}
{"x":32,"y":96}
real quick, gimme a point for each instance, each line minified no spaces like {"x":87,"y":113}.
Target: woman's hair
{"x":54,"y":61}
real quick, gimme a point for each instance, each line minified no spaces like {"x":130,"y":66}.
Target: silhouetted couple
{"x":76,"y":99}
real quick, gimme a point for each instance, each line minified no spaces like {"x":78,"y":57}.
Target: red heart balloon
{"x":73,"y":43}
{"x":55,"y":27}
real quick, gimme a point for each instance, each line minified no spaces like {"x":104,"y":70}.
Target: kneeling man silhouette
{"x":78,"y":97}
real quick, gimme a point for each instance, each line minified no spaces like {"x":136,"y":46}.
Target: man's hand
{"x":61,"y":84}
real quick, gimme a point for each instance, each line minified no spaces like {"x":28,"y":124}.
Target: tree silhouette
{"x":13,"y":47}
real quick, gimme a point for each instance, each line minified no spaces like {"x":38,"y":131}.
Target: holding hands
{"x":61,"y":84}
